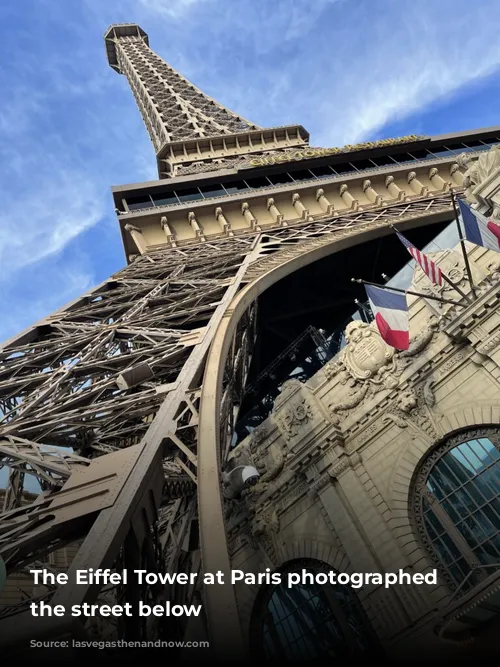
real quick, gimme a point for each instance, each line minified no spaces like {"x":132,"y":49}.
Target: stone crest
{"x":366,"y":352}
{"x":368,"y":365}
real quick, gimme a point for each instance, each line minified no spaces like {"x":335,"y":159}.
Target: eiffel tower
{"x":124,"y":404}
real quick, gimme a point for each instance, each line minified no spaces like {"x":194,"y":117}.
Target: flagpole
{"x":406,"y":291}
{"x":446,"y":279}
{"x":462,"y":243}
{"x":363,"y":307}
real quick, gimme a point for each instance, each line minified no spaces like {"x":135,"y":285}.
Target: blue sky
{"x":348,"y":70}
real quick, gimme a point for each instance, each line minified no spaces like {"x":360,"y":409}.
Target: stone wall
{"x":339,"y":454}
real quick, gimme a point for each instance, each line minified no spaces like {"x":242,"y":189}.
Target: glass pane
{"x":165,"y":199}
{"x":466,"y":484}
{"x":382,"y":160}
{"x":237,"y":186}
{"x":363,"y":164}
{"x":402,"y":157}
{"x":261,"y":182}
{"x":214,"y":190}
{"x":441,"y":152}
{"x":321,"y":171}
{"x":135,"y":203}
{"x":343,"y":168}
{"x":491,"y":140}
{"x":189,"y":194}
{"x":277,"y":179}
{"x":473,"y":142}
{"x":303,"y":175}
{"x":303,"y":623}
{"x":421,"y":154}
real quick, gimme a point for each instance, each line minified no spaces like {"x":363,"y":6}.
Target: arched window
{"x":308,"y":622}
{"x":456,"y":506}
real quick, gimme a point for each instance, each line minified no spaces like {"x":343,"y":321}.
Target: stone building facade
{"x":348,"y":467}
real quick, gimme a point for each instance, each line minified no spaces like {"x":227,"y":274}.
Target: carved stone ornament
{"x":412,"y":408}
{"x":478,"y":170}
{"x":366,"y":352}
{"x":265,"y":523}
{"x":292,"y":421}
{"x":287,"y":389}
{"x":264,"y":530}
{"x":339,"y":411}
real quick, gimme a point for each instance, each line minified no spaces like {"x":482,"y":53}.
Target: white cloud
{"x":55,"y":205}
{"x":31,"y":296}
{"x":343,"y":69}
{"x":171,"y":8}
{"x":70,"y":128}
{"x":402,"y":71}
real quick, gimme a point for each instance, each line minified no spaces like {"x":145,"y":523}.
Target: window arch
{"x":309,"y":622}
{"x":456,"y":506}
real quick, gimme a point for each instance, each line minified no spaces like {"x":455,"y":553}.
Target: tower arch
{"x":287,"y":256}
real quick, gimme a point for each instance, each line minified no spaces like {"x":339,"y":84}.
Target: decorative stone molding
{"x":224,"y":224}
{"x":138,"y":237}
{"x":348,"y":199}
{"x":293,"y":420}
{"x":299,"y":206}
{"x":348,"y":462}
{"x":249,"y":217}
{"x":325,"y":204}
{"x":368,"y":365}
{"x":196,"y":227}
{"x":393,"y":407}
{"x":371,"y":194}
{"x":436,"y":180}
{"x":394,"y":190}
{"x":416,"y":185}
{"x":411,"y":408}
{"x":264,"y":529}
{"x":171,"y":239}
{"x":273,"y":210}
{"x":456,"y":174}
{"x":366,"y":353}
{"x":482,"y":180}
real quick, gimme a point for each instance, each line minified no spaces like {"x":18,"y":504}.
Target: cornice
{"x":278,"y":189}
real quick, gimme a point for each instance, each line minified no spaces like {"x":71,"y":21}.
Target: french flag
{"x":478,"y":229}
{"x":391,"y":316}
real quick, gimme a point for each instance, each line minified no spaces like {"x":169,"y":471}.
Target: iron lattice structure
{"x":118,"y":379}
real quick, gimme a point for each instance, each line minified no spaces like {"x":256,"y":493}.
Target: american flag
{"x":431,"y":270}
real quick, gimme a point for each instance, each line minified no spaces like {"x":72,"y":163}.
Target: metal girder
{"x":69,"y":383}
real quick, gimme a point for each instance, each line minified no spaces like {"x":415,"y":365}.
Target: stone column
{"x":348,"y":528}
